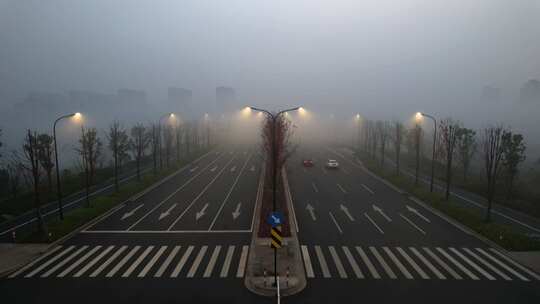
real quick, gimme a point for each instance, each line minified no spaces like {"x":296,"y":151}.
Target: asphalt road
{"x":188,"y":240}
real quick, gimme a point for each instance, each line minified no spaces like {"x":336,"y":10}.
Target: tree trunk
{"x":448,"y":176}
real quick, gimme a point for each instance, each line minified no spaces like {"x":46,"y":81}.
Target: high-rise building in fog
{"x":180,"y":101}
{"x":225,"y":99}
{"x":491,"y":94}
{"x":530,"y":92}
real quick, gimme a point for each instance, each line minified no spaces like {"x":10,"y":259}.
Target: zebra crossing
{"x":177,"y":261}
{"x":412,"y":263}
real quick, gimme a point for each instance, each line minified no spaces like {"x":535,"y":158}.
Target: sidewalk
{"x":13,"y":256}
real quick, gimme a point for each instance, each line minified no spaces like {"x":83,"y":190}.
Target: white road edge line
{"x":412,"y":224}
{"x":373,"y":222}
{"x":335,"y":222}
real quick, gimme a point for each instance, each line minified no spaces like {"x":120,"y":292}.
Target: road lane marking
{"x":322,"y":262}
{"x":367,"y":189}
{"x":201,"y":213}
{"x":226,"y":199}
{"x":236,"y":213}
{"x":78,"y":262}
{"x":374,"y":273}
{"x":532,"y":274}
{"x":174,"y":193}
{"x":167,"y":262}
{"x":212,"y":263}
{"x":352,"y":262}
{"x":227,"y":264}
{"x":122,"y":262}
{"x":242,"y":263}
{"x":381,"y":261}
{"x":311,"y":211}
{"x":472,"y":264}
{"x":373,"y":222}
{"x":335,"y":222}
{"x":193,"y":169}
{"x":197,"y":262}
{"x":342,"y":189}
{"x":346,"y":211}
{"x":233,"y":169}
{"x":442,"y":264}
{"x":307,"y":262}
{"x":337,"y":262}
{"x":64,"y":262}
{"x":132,"y":212}
{"x":458,"y":264}
{"x":399,"y":265}
{"x":488,"y":265}
{"x":104,"y":265}
{"x":381,"y":212}
{"x":315,"y":189}
{"x":132,"y":267}
{"x":412,"y":224}
{"x":182,"y":262}
{"x":501,"y":264}
{"x":411,"y":262}
{"x":153,"y":261}
{"x":49,"y":262}
{"x":28,"y":266}
{"x":213,"y":169}
{"x":411,"y":209}
{"x":93,"y":262}
{"x":200,"y":194}
{"x":428,"y":263}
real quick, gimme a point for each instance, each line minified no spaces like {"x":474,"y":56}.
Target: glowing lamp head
{"x":419,"y":116}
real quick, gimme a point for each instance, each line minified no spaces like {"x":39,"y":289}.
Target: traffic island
{"x":260,"y":265}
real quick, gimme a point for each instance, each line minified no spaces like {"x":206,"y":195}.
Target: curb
{"x":256,"y":281}
{"x":100,"y":217}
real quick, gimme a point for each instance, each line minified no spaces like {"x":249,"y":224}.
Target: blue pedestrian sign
{"x":275,"y":219}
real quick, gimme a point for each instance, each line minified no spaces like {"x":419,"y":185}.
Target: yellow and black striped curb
{"x":277,"y":238}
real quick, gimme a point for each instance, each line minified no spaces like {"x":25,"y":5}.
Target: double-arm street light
{"x":170,"y":115}
{"x":58,"y":186}
{"x":419,"y":115}
{"x":274,"y":117}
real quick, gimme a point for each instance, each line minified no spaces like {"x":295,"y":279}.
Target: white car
{"x":332,"y":163}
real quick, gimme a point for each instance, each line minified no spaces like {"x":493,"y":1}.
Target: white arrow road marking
{"x":166,"y":213}
{"x":315,"y":188}
{"x":412,"y":224}
{"x":367,"y":189}
{"x":411,"y":209}
{"x":128,"y":214}
{"x":194,"y":169}
{"x":346,"y":211}
{"x":201,"y":213}
{"x":342,"y":189}
{"x":233,"y":169}
{"x":335,"y":222}
{"x":373,"y":222}
{"x":252,"y":169}
{"x":311,"y":211}
{"x":236,"y":212}
{"x":213,"y":169}
{"x":381,"y":212}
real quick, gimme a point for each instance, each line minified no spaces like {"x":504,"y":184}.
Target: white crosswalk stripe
{"x":207,"y":261}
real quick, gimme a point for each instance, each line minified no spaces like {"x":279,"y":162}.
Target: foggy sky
{"x":382,"y":58}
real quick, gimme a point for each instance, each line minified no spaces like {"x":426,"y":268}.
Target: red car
{"x":308,"y":163}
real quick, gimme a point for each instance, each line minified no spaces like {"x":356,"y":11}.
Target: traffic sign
{"x":275,"y":219}
{"x":277,"y":238}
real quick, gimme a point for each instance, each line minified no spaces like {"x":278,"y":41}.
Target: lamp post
{"x":274,"y":117}
{"x":434,"y":140}
{"x":170,"y":115}
{"x":58,"y":186}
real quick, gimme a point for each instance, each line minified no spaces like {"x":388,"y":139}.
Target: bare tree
{"x":492,"y":153}
{"x":89,"y":149}
{"x":449,"y":130}
{"x":414,"y":144}
{"x":14,"y":170}
{"x":466,"y":148}
{"x":383,"y":128}
{"x":168,"y":138}
{"x":397,"y":139}
{"x":45,"y":156}
{"x":33,"y":170}
{"x":154,"y":144}
{"x":119,"y":145}
{"x":513,"y":154}
{"x":139,"y":142}
{"x":178,"y":135}
{"x":187,"y":137}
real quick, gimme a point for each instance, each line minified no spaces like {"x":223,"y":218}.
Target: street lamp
{"x":274,"y":117}
{"x":170,"y":115}
{"x":58,"y":186}
{"x":419,"y":115}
